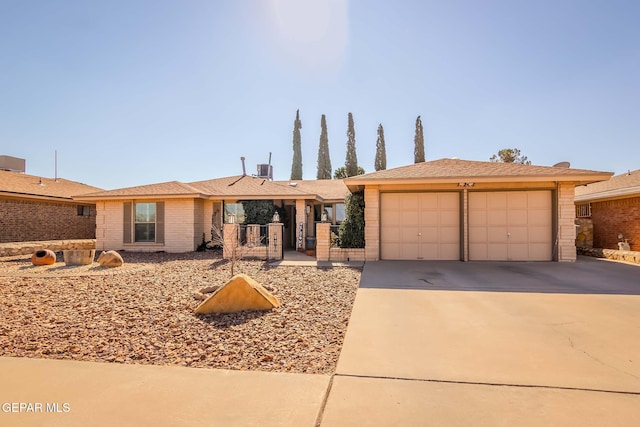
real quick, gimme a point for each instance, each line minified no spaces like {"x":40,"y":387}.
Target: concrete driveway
{"x":450,"y":343}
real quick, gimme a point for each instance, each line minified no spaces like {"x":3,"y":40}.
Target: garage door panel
{"x":477,"y":235}
{"x":510,"y":225}
{"x":449,"y":201}
{"x":496,"y":252}
{"x":496,"y":200}
{"x":450,"y":219}
{"x":497,"y":234}
{"x":539,"y":251}
{"x":428,"y":226}
{"x":496,"y":217}
{"x":477,"y":217}
{"x":429,"y":218}
{"x":517,"y":217}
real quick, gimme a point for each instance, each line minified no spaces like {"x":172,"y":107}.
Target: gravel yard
{"x":142,"y":313}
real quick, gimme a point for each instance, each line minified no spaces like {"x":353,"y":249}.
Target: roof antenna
{"x":56,"y":166}
{"x":270,"y":171}
{"x":244,"y":171}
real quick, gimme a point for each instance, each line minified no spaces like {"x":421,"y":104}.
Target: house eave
{"x":359,"y":184}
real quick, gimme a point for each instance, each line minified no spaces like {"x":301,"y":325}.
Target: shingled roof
{"x":624,"y":185}
{"x":452,"y":170}
{"x":28,"y":186}
{"x":236,"y":187}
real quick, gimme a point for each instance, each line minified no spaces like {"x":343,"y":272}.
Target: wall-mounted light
{"x":276,"y":218}
{"x":308,"y":209}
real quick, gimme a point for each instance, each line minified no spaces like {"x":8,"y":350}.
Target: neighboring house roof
{"x":30,"y":186}
{"x":232,"y":187}
{"x":454,"y":170}
{"x":619,"y":186}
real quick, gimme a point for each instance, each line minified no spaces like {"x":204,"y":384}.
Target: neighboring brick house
{"x":33,"y":208}
{"x":614,"y":209}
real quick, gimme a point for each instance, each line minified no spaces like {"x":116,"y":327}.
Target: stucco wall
{"x":613,"y":217}
{"x":26,"y":220}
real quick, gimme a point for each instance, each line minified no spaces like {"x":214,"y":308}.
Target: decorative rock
{"x":209,"y":289}
{"x":43,"y":257}
{"x":110,"y":259}
{"x":238,"y":294}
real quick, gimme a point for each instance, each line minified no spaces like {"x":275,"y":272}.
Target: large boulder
{"x":110,"y":259}
{"x":238,"y":294}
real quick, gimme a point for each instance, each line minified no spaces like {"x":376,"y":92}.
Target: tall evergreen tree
{"x":351,"y":163}
{"x":418,"y":140}
{"x":296,"y":166}
{"x":381,"y":151}
{"x":324,"y":160}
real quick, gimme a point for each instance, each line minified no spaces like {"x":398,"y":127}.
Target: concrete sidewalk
{"x":460,"y":355}
{"x":97,"y":394}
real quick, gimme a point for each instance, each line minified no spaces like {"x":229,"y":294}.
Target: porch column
{"x":301,"y":224}
{"x":323,"y":241}
{"x":275,"y":241}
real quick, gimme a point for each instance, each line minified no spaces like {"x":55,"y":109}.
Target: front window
{"x":145,"y":222}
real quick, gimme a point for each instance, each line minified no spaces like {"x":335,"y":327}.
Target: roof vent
{"x":562,"y":165}
{"x":12,"y":164}
{"x":293,"y":184}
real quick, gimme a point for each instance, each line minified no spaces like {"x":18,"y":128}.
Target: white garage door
{"x":420,"y":226}
{"x":510,"y":225}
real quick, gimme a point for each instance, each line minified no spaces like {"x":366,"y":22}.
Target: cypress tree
{"x":324,"y":160}
{"x":351,"y":163}
{"x":296,"y":166}
{"x":381,"y":151}
{"x":418,"y":140}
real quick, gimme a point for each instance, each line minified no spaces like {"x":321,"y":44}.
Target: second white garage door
{"x":420,"y":226}
{"x":510,"y":225}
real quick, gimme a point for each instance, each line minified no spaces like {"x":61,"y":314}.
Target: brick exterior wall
{"x":613,"y":217}
{"x":372,"y":223}
{"x":566,"y":222}
{"x":24,"y":220}
{"x":180,"y":227}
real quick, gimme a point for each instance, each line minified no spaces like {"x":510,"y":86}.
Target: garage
{"x":420,"y":226}
{"x":510,"y":226}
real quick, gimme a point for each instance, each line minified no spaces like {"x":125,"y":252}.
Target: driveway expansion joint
{"x":432,"y":380}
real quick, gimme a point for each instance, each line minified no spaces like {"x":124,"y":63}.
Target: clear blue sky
{"x":136,"y":92}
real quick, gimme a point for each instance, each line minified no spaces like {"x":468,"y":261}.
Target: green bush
{"x":261,"y":212}
{"x":351,"y":233}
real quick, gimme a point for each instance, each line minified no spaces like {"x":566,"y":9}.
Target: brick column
{"x":323,"y":241}
{"x":275,"y":241}
{"x":372,"y":223}
{"x":465,"y":225}
{"x":231,"y":236}
{"x":566,"y":222}
{"x":301,"y":218}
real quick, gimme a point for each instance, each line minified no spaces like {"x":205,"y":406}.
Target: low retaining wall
{"x":342,"y":254}
{"x":628,"y":256}
{"x":27,"y":248}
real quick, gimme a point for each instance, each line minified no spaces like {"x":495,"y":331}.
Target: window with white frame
{"x":145,"y":222}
